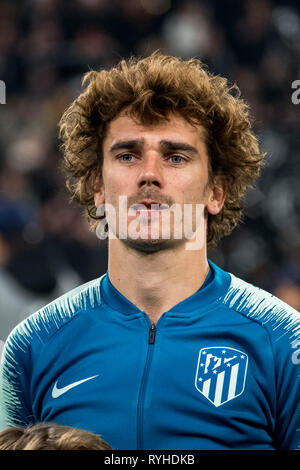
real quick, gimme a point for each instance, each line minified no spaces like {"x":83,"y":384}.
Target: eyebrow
{"x":170,"y":145}
{"x":127,"y":144}
{"x":164,"y":144}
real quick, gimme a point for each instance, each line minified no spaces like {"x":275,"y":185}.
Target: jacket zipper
{"x":151,"y":341}
{"x":152,"y":333}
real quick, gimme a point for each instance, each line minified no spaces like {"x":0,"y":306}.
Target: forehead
{"x":174,"y":128}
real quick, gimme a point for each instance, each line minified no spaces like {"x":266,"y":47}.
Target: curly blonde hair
{"x":50,"y":436}
{"x":152,"y":89}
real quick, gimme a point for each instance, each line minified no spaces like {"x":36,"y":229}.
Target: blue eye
{"x":126,"y":157}
{"x":177,"y":159}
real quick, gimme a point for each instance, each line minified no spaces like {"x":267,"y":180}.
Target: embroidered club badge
{"x":221,"y":374}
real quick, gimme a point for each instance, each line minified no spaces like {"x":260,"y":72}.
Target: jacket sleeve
{"x":287,"y":363}
{"x":15,"y":408}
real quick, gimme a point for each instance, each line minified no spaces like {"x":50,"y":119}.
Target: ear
{"x":99,"y":199}
{"x":99,"y":196}
{"x":217,"y":194}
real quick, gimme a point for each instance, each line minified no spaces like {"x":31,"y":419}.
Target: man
{"x":167,"y":346}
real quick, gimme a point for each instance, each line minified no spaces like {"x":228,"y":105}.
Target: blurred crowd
{"x":46,"y":46}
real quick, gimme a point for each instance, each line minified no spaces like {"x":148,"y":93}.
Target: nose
{"x":151,"y":171}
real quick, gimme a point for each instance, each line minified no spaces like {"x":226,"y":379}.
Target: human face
{"x":165,"y":164}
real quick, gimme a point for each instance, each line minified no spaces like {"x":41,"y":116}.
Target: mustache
{"x":152,"y":195}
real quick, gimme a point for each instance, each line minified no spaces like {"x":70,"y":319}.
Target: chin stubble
{"x":151,"y":246}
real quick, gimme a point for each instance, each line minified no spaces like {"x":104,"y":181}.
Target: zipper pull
{"x":152,"y":334}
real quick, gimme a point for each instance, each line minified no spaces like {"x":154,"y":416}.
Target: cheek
{"x":193,"y":192}
{"x":115,"y":186}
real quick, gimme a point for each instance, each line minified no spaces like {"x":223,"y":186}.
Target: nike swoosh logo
{"x":57,"y":392}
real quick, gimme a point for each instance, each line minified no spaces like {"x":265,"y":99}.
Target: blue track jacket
{"x":220,"y":370}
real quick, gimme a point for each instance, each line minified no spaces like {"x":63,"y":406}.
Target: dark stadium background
{"x":46,"y":46}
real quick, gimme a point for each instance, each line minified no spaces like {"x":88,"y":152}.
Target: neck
{"x":156,"y":282}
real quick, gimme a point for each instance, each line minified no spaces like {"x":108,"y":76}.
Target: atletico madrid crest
{"x":221,"y":374}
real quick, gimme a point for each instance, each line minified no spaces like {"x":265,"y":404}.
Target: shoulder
{"x":41,"y":325}
{"x":258,"y":305}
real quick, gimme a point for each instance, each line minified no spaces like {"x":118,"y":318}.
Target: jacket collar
{"x":214,"y":287}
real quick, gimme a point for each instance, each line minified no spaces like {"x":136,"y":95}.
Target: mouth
{"x":148,"y":205}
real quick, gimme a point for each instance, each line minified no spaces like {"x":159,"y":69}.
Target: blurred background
{"x":46,"y":46}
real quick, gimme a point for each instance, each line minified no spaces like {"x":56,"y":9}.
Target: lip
{"x":140,"y":206}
